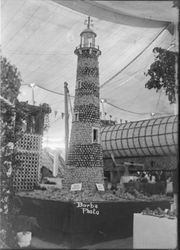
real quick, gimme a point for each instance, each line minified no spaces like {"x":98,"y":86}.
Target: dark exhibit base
{"x":83,"y":223}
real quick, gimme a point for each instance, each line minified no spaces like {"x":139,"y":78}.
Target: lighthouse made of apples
{"x":85,"y":158}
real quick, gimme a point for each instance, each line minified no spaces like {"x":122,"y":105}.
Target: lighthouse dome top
{"x":89,"y":31}
{"x":88,"y":35}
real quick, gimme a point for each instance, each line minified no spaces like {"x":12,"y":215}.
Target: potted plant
{"x":23,"y":226}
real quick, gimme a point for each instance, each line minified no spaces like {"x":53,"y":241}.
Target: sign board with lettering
{"x":76,"y":187}
{"x":88,"y":208}
{"x":100,"y":187}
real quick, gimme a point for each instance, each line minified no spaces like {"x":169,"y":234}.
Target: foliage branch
{"x":10,"y":129}
{"x":162,"y":73}
{"x":13,"y":124}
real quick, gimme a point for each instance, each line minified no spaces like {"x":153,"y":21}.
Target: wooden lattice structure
{"x":29,"y":148}
{"x":29,"y":155}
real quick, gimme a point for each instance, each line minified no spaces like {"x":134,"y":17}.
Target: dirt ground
{"x":114,"y":244}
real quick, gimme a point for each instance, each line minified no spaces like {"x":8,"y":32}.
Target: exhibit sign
{"x":100,"y":187}
{"x":76,"y":187}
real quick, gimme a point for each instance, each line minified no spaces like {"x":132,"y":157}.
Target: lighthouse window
{"x":79,"y":84}
{"x":95,"y":137}
{"x":76,"y":117}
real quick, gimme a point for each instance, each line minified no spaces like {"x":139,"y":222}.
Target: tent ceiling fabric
{"x":151,"y":10}
{"x":110,"y":11}
{"x":39,"y":37}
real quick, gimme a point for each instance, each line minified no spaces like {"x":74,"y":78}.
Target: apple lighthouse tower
{"x":85,"y":159}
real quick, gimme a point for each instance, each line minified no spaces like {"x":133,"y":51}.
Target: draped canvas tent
{"x":39,"y":37}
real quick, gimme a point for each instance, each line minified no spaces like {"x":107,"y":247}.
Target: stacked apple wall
{"x":85,"y":159}
{"x":29,"y":149}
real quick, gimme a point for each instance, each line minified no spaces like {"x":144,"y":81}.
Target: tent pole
{"x":66,"y":116}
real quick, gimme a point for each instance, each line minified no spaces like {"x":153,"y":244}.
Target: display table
{"x":154,"y":232}
{"x":85,"y":223}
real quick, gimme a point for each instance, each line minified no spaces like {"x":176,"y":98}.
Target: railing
{"x":88,"y":46}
